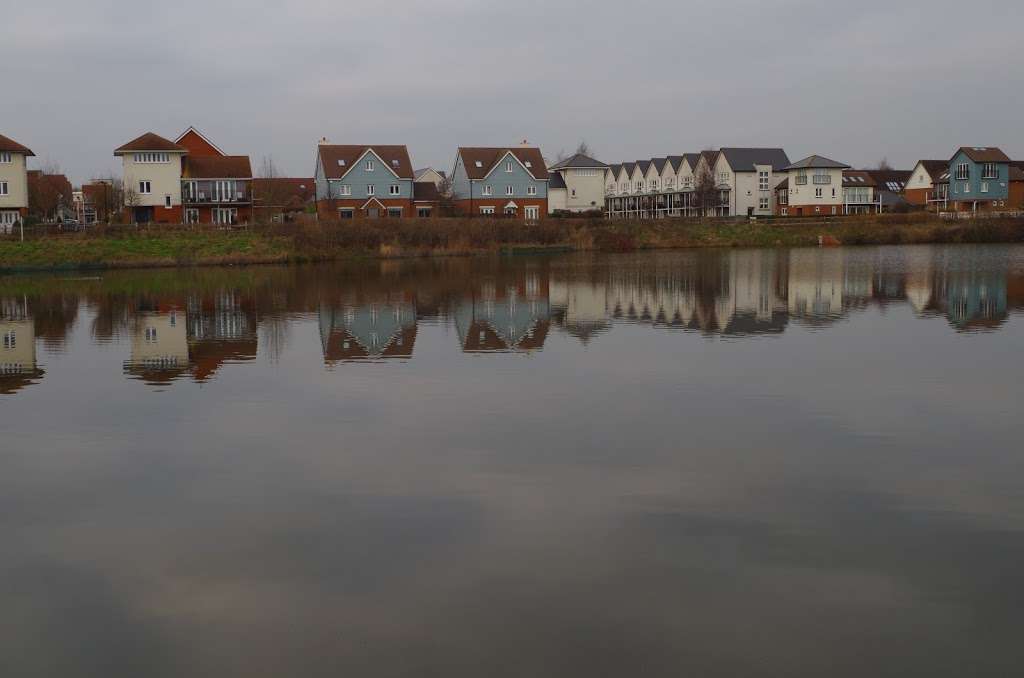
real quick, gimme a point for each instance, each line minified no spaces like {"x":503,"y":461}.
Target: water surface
{"x":721,"y":463}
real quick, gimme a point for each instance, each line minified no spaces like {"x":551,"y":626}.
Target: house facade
{"x":583,"y":179}
{"x":979,"y":179}
{"x":749,"y":175}
{"x":923,"y":186}
{"x":651,"y":189}
{"x":501,"y":182}
{"x":814,"y":187}
{"x":151,"y":167}
{"x":360,"y":181}
{"x":874,"y":191}
{"x":13,"y":182}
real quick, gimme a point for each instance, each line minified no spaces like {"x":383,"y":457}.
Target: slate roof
{"x":983,"y":154}
{"x":489,"y":157}
{"x":643,"y":165}
{"x":710,"y":156}
{"x":578,"y":160}
{"x":395,"y":157}
{"x":744,"y":159}
{"x":692,"y":158}
{"x":659,"y":164}
{"x":150,"y":142}
{"x":934,"y":168}
{"x":217,"y":167}
{"x":12,"y":146}
{"x":676,"y":161}
{"x":615,"y":169}
{"x":556,"y":181}
{"x":854,"y":178}
{"x":816,"y":162}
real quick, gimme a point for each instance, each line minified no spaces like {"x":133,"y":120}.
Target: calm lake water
{"x":723,"y":463}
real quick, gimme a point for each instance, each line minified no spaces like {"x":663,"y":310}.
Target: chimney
{"x":323,"y":141}
{"x":524,"y":144}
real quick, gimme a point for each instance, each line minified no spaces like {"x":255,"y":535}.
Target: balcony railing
{"x":801,"y":181}
{"x":213,"y":193}
{"x":822,"y":179}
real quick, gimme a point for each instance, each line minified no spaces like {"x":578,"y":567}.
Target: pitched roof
{"x":1017,"y":170}
{"x":816,"y":162}
{"x":692,"y":158}
{"x":150,"y":142}
{"x":288,"y":191}
{"x":425,"y":191}
{"x":12,"y":146}
{"x":339,"y":159}
{"x":659,"y":164}
{"x":934,"y":168}
{"x":782,"y":184}
{"x":615,"y":169}
{"x":710,"y":156}
{"x":629,"y":167}
{"x":556,"y":181}
{"x":855,"y":178}
{"x":982,"y":154}
{"x":642,"y":165}
{"x":745,"y":159}
{"x":676,"y":161}
{"x":197,"y":143}
{"x":480,"y":160}
{"x":217,"y":167}
{"x":418,"y":174}
{"x":578,"y":160}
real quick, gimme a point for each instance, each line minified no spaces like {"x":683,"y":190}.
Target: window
{"x":723,"y":177}
{"x":984,"y":187}
{"x":822,"y":177}
{"x":394,"y":189}
{"x":5,"y":157}
{"x":532,"y":212}
{"x":963,"y":171}
{"x":345,"y":189}
{"x":486,"y":210}
{"x":3,"y":188}
{"x":574,"y":192}
{"x":150,"y":334}
{"x":423,"y":212}
{"x":192,"y":215}
{"x":478,"y":164}
{"x":833,"y":209}
{"x":10,"y":340}
{"x":966,"y":187}
{"x":225,"y":215}
{"x":989,"y":171}
{"x":341,"y":163}
{"x":151,"y":158}
{"x":371,"y":189}
{"x":528,"y":164}
{"x":801,"y":178}
{"x":532,"y":190}
{"x":510,"y":190}
{"x":817,"y":210}
{"x":488,"y":190}
{"x":167,"y":201}
{"x":369,"y":166}
{"x":818,"y":193}
{"x":508,"y":166}
{"x":762,"y":180}
{"x":346,"y":213}
{"x":639,"y":186}
{"x":395,"y":212}
{"x":394,"y":163}
{"x":785,"y":211}
{"x":145,"y":187}
{"x":763,"y":204}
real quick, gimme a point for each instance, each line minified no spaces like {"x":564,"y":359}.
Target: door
{"x":372,"y":212}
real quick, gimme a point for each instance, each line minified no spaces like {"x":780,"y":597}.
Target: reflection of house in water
{"x":159,"y":346}
{"x":582,"y":307}
{"x":973,"y":296}
{"x":499,"y":317}
{"x":171,"y":338}
{"x":221,"y":329}
{"x":361,"y":330}
{"x":817,"y":284}
{"x":18,"y":367}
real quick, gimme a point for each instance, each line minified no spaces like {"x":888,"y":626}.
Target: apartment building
{"x":814,"y":186}
{"x":747,"y":177}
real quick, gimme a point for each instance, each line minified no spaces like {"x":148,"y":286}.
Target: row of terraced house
{"x":191,"y":180}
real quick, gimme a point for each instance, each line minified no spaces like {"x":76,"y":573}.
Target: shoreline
{"x":128,"y":247}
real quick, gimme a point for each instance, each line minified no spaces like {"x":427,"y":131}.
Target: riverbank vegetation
{"x":154,"y":246}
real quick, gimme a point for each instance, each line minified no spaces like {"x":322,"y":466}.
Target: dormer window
{"x":478,"y":164}
{"x":341,"y":163}
{"x":528,"y":164}
{"x":369,"y":166}
{"x":508,"y":166}
{"x":394,"y":163}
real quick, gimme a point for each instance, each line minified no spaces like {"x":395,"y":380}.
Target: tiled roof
{"x":12,"y":146}
{"x":934,"y":168}
{"x":816,"y":162}
{"x":217,"y":167}
{"x":578,"y":160}
{"x":744,"y":159}
{"x":150,"y":142}
{"x":338,"y":159}
{"x":983,"y":154}
{"x":425,"y":191}
{"x":479,"y":161}
{"x":854,"y":178}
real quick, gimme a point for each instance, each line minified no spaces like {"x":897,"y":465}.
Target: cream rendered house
{"x":152,"y":170}
{"x":583,"y":179}
{"x":815,"y":187}
{"x":13,"y":182}
{"x":750,"y":175}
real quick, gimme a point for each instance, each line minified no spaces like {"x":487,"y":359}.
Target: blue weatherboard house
{"x":979,"y":178}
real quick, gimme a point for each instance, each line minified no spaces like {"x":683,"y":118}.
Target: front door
{"x":372,"y":212}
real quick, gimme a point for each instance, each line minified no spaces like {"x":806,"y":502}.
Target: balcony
{"x":822,"y":179}
{"x":801,"y":181}
{"x":216,"y":193}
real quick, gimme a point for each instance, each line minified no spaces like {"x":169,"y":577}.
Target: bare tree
{"x":269,"y":194}
{"x":705,"y":192}
{"x":446,"y":202}
{"x":584,"y":149}
{"x":131,"y":200}
{"x":884,"y":166}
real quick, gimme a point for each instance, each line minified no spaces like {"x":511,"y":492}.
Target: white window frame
{"x":192,"y":215}
{"x":989,"y":171}
{"x":509,"y":166}
{"x":486,"y":210}
{"x":371,"y":189}
{"x":370,"y":167}
{"x":531,"y":212}
{"x":6,"y":157}
{"x":345,"y":189}
{"x":4,"y":188}
{"x":488,"y":190}
{"x":963,"y":172}
{"x":532,"y":190}
{"x":762,"y":180}
{"x":395,"y":189}
{"x":145,"y":187}
{"x":510,"y":190}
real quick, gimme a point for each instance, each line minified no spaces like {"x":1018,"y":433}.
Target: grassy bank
{"x":128,"y":246}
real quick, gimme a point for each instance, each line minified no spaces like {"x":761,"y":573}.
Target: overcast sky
{"x":637,"y":78}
